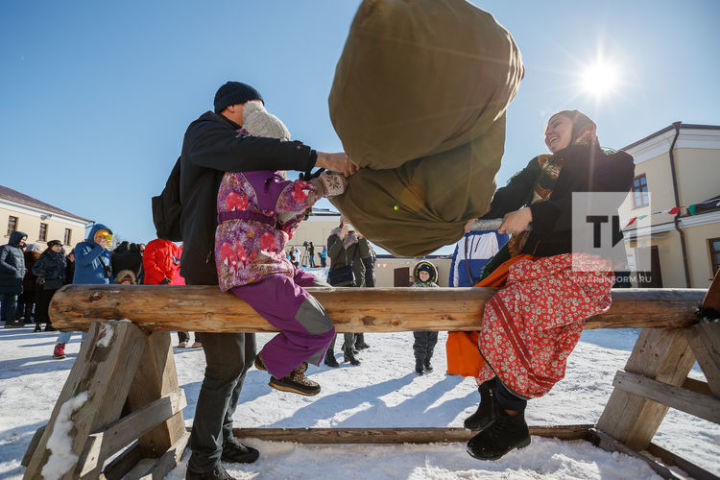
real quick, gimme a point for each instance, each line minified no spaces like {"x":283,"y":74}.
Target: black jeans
{"x":228,"y":357}
{"x":8,"y":307}
{"x":424,"y":346}
{"x":43,"y":305}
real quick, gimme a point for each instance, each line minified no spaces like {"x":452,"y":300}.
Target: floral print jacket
{"x":269,"y":208}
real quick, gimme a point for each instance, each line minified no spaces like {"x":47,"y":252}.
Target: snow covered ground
{"x":382,"y":392}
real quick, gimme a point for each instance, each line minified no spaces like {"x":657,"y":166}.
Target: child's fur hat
{"x":260,"y":123}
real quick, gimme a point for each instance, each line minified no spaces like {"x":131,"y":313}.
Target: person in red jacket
{"x":158,"y":262}
{"x":178,"y":279}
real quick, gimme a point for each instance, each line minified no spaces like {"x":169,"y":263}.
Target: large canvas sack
{"x":419,"y":100}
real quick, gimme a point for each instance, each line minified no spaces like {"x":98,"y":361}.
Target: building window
{"x":68,"y":236}
{"x":43,"y":232}
{"x":715,"y":254}
{"x":640,"y":191}
{"x":12,"y":225}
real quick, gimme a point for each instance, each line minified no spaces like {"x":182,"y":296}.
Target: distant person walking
{"x":92,"y":267}
{"x":311,"y":253}
{"x":50,"y":272}
{"x":27,"y":300}
{"x":346,"y":270}
{"x":12,"y":272}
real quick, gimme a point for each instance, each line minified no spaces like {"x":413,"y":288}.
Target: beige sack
{"x":418,"y":100}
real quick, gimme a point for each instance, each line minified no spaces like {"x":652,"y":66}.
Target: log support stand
{"x":122,"y":394}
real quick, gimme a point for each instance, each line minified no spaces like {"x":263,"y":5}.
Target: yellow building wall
{"x":671,"y":261}
{"x":30,"y":224}
{"x":698,"y":174}
{"x":659,"y":180}
{"x":698,"y":251}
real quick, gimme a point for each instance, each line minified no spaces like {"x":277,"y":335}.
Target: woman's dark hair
{"x":579,"y":120}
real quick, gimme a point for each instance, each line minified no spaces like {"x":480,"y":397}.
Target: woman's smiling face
{"x":558,"y":133}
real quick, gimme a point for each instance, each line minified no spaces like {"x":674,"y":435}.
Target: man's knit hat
{"x":260,"y":123}
{"x":233,"y":93}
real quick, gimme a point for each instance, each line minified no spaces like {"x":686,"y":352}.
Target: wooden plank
{"x":610,"y":444}
{"x":697,"y":386}
{"x":660,"y":354}
{"x":156,"y":377}
{"x":122,"y":464}
{"x":206,"y":308}
{"x":704,"y":339}
{"x":702,"y":406}
{"x":163,"y":465}
{"x":33,"y":446}
{"x":673,"y":460}
{"x":112,"y":438}
{"x":103,"y":370}
{"x":393,"y":435}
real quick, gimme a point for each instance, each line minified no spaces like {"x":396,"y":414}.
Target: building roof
{"x":17,"y":197}
{"x":689,"y":126}
{"x":324,"y":212}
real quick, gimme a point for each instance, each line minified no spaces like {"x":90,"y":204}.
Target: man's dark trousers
{"x":228,"y":357}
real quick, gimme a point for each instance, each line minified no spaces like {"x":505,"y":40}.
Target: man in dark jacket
{"x":213,"y":145}
{"x":12,"y":272}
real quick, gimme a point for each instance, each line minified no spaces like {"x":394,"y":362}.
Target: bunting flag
{"x":675,"y":210}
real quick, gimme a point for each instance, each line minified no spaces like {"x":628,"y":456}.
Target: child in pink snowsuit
{"x":257,"y":214}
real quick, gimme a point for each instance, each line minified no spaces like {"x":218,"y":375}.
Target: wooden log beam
{"x":673,"y":460}
{"x":324,"y":436}
{"x":206,"y":309}
{"x":609,"y":443}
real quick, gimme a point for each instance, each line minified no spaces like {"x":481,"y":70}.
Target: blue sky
{"x":95,"y":96}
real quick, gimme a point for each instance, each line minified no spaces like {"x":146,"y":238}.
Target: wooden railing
{"x":128,"y":371}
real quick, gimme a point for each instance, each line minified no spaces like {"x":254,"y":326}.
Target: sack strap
{"x":246,"y":215}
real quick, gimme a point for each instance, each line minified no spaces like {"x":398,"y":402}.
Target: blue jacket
{"x":92,"y":262}
{"x":12,"y":265}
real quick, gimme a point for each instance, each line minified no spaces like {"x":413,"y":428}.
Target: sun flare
{"x":600,"y":79}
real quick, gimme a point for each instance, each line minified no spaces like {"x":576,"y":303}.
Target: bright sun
{"x":600,"y":79}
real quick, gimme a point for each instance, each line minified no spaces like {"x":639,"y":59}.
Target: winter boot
{"x":296,"y":382}
{"x":360,"y":342}
{"x":419,"y":367}
{"x":37,"y":328}
{"x":506,"y":433}
{"x":428,"y":366}
{"x":487,"y":411}
{"x":59,"y":352}
{"x":330,"y":361}
{"x":350,"y":357}
{"x":259,"y":363}
{"x":236,"y":452}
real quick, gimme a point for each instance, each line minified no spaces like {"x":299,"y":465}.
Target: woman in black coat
{"x":50,"y":271}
